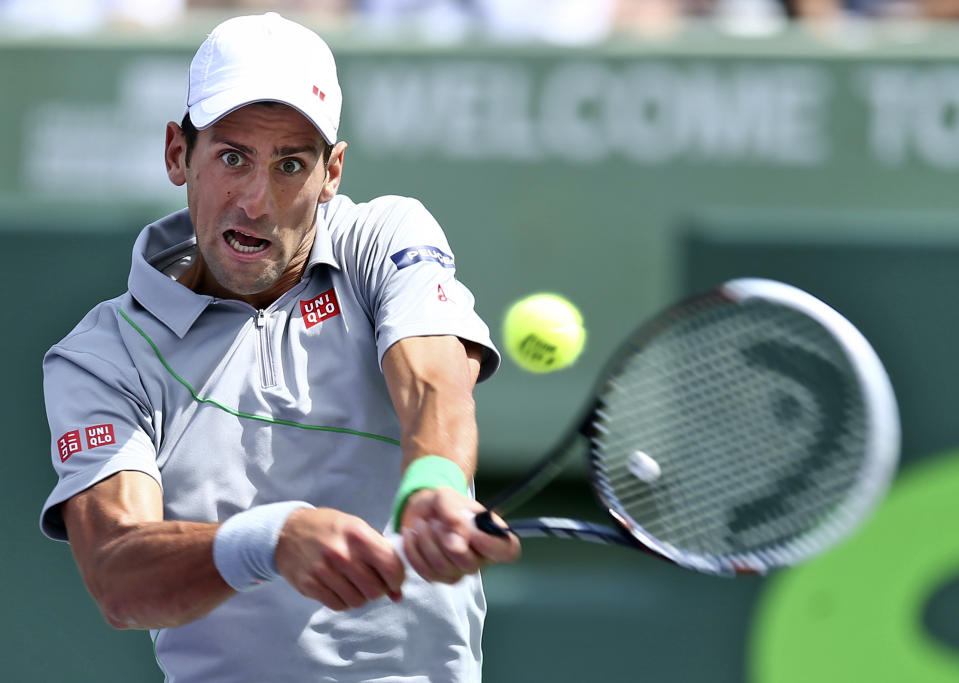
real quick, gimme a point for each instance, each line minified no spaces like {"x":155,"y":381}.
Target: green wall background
{"x":622,"y":175}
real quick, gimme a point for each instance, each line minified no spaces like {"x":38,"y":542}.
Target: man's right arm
{"x":147,"y":572}
{"x":142,"y":571}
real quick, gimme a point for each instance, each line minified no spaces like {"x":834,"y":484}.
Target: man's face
{"x":253,"y":184}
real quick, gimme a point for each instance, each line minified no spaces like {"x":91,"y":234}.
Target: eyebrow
{"x":294,"y":150}
{"x":289,"y":150}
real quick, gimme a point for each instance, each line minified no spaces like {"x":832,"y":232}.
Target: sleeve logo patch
{"x":413,"y":255}
{"x":100,"y":435}
{"x":320,"y":308}
{"x":68,"y":444}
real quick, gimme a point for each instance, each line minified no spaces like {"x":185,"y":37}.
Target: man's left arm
{"x":431,"y":382}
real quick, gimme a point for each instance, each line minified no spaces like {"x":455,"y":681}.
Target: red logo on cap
{"x":68,"y":444}
{"x":319,"y":93}
{"x":319,"y":308}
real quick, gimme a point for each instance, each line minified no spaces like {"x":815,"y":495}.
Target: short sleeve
{"x":414,"y":285}
{"x":99,"y":420}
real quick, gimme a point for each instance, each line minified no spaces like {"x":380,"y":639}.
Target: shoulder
{"x":101,"y":320}
{"x":378,"y":219}
{"x":98,"y":342}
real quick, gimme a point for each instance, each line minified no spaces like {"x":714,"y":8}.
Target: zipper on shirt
{"x":267,"y":376}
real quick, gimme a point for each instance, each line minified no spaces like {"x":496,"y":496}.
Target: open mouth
{"x":246,"y":244}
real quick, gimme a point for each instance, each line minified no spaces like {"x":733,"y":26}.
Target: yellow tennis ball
{"x":543,"y":332}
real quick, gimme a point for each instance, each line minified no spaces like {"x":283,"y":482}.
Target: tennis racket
{"x":747,"y":428}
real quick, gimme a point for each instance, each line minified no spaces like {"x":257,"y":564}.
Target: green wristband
{"x":427,"y":472}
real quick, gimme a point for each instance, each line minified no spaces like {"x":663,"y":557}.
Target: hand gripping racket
{"x":747,"y":428}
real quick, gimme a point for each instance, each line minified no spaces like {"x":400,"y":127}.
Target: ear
{"x":175,"y":154}
{"x":334,"y":172}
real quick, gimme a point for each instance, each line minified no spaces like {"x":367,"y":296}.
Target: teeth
{"x":233,"y":242}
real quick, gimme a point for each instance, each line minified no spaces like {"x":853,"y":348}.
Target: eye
{"x":291,"y":166}
{"x":232,"y":158}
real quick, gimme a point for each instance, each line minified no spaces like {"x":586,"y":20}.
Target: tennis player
{"x":279,"y":409}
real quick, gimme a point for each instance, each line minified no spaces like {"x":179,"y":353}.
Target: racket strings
{"x":731,"y":400}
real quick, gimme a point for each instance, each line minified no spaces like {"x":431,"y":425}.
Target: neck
{"x":199,"y":279}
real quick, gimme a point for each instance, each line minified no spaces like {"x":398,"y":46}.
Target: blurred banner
{"x":621,"y":176}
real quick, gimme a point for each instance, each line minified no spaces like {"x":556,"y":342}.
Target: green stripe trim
{"x":247,"y":416}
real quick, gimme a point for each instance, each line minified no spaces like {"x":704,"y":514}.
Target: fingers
{"x":380,"y":567}
{"x":437,"y":553}
{"x":340,"y":590}
{"x":338,"y":559}
{"x":441,"y":541}
{"x":354,"y":580}
{"x":496,"y":549}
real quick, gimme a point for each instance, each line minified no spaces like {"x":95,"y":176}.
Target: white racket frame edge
{"x":883,"y":437}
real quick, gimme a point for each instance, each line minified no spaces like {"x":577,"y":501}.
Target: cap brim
{"x":206,"y":112}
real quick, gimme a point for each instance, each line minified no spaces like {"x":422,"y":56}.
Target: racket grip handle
{"x":484,"y":522}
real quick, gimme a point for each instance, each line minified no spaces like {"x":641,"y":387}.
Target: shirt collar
{"x":158,"y":245}
{"x":171,"y":238}
{"x":322,"y":251}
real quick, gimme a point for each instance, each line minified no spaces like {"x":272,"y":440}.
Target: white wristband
{"x":245,"y":544}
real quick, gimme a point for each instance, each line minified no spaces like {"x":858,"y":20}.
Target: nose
{"x":256,"y":194}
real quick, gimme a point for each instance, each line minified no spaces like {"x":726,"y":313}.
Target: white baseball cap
{"x":264,"y":58}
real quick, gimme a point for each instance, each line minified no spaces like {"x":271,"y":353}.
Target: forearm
{"x":156,"y":575}
{"x":142,"y":571}
{"x":439,"y":426}
{"x":431,"y":381}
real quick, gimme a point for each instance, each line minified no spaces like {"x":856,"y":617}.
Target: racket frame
{"x":882,"y":439}
{"x":882,"y":445}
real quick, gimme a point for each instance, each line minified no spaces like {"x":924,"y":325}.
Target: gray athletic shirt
{"x":228,"y":407}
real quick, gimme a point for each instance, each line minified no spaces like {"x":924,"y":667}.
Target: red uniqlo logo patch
{"x":100,"y":435}
{"x":320,"y":308}
{"x":68,"y":444}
